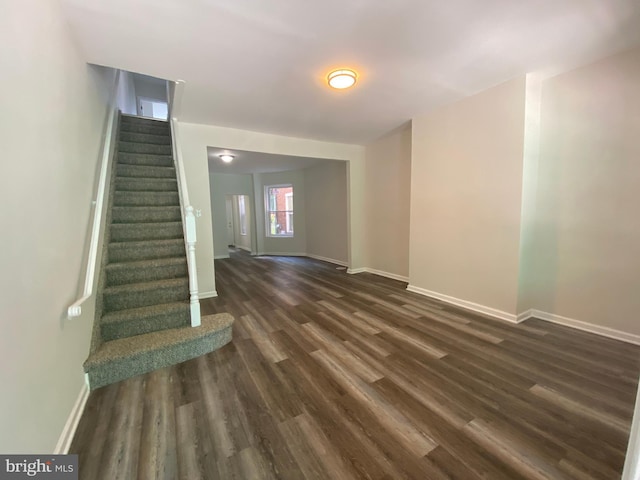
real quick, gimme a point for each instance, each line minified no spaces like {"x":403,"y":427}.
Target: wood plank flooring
{"x":336,"y":376}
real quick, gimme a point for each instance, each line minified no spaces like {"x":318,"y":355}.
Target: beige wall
{"x":587,"y":232}
{"x":466,"y":189}
{"x":326,"y":211}
{"x":53,"y":115}
{"x":388,"y":187}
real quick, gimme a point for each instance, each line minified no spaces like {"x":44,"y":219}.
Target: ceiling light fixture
{"x":226,"y":158}
{"x":342,"y":78}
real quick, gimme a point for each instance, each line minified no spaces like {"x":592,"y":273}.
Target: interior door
{"x":145,"y":108}
{"x":230,"y":230}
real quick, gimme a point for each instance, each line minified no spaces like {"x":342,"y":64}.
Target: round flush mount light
{"x":227,"y":158}
{"x":341,"y":79}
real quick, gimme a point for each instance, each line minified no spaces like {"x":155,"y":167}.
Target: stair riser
{"x":140,"y":326}
{"x":148,"y":129}
{"x":134,"y":299}
{"x":121,"y":369}
{"x":135,"y":120}
{"x":145,"y":171}
{"x":124,"y":276}
{"x":142,"y":159}
{"x":133,"y":232}
{"x":128,"y":147}
{"x":142,"y":199}
{"x":142,"y":185}
{"x":145,"y":138}
{"x":145,"y":214}
{"x":125,"y":253}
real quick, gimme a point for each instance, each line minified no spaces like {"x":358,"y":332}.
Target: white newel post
{"x":190,"y":220}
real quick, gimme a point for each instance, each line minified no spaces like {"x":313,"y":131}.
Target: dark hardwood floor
{"x":333,"y":376}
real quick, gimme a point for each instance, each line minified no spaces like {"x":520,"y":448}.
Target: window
{"x":243,"y":215}
{"x":288,"y":202}
{"x":279,"y":210}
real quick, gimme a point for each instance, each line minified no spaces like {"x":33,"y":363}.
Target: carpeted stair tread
{"x":126,"y":357}
{"x":123,"y":232}
{"x":138,"y":184}
{"x":146,"y":270}
{"x":145,"y":159}
{"x":123,"y":198}
{"x":135,"y":314}
{"x":134,"y":147}
{"x":146,"y":286}
{"x":145,"y":214}
{"x":133,"y":346}
{"x":138,"y":321}
{"x":146,"y":250}
{"x":143,"y":310}
{"x":137,"y":137}
{"x":143,"y":294}
{"x":145,"y":171}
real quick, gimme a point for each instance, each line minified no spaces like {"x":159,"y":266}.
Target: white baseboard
{"x":580,"y":325}
{"x":354,"y":271}
{"x":476,"y":307}
{"x":382,"y":273}
{"x":282,"y":254}
{"x":327,"y":259}
{"x":524,"y":315}
{"x":218,"y":257}
{"x":209,"y":294}
{"x":69,"y":430}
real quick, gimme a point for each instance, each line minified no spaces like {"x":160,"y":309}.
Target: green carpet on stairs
{"x":142,"y":308}
{"x":126,"y":357}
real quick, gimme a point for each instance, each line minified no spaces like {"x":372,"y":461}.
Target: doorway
{"x":238,"y":209}
{"x":231,"y":238}
{"x":150,"y":108}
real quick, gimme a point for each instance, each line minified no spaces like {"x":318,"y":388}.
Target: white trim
{"x":281,"y":254}
{"x":328,"y":260}
{"x":393,"y":276}
{"x":525,"y":315}
{"x":267,"y":211}
{"x":355,"y":271}
{"x":476,"y":307}
{"x":382,"y":273}
{"x":584,"y":326}
{"x":220,"y":257}
{"x":69,"y":430}
{"x":188,"y":215}
{"x":209,"y":294}
{"x":241,"y":247}
{"x":632,"y":462}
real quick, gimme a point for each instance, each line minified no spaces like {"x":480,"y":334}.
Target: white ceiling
{"x":261,"y":64}
{"x":257,"y":162}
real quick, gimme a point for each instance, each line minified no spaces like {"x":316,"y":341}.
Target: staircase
{"x":142,"y":307}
